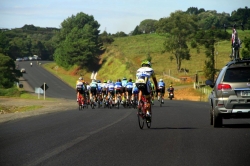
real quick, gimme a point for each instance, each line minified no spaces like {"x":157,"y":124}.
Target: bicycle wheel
{"x":149,"y":121}
{"x":160,"y":100}
{"x":140,"y":117}
{"x":118,"y":103}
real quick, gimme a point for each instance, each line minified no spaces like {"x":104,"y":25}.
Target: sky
{"x":112,"y":15}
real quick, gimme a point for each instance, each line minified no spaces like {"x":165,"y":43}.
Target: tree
{"x":105,"y":38}
{"x":208,"y":39}
{"x":8,"y":72}
{"x":179,"y":26}
{"x":246,"y":50}
{"x":4,"y":43}
{"x":77,"y":41}
{"x":136,"y":31}
{"x":147,"y":26}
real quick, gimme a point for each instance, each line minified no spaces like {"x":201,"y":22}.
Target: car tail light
{"x":224,"y":87}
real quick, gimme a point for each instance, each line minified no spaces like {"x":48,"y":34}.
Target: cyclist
{"x":93,"y":90}
{"x":110,"y":89}
{"x":135,"y":90}
{"x":99,"y":90}
{"x":104,"y":88}
{"x":142,"y":82}
{"x":128,"y":89}
{"x":80,"y":88}
{"x":124,"y":83}
{"x":170,"y":89}
{"x":161,"y":89}
{"x":118,"y":88}
{"x":87,"y":92}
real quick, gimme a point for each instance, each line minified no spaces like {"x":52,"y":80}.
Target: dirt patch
{"x":188,"y":93}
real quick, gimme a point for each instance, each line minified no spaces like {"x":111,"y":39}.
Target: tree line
{"x":79,"y":42}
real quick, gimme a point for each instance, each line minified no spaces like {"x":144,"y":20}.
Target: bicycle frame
{"x":141,"y":114}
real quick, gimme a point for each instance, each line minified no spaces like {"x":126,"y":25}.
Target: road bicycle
{"x":160,"y":99}
{"x":142,"y":113}
{"x":119,"y":99}
{"x":99,"y":100}
{"x":135,"y":101}
{"x":92,"y":103}
{"x":80,"y":102}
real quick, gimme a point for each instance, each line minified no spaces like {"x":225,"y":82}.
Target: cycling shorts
{"x":93,"y":90}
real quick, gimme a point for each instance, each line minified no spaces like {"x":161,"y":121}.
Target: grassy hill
{"x":123,"y":57}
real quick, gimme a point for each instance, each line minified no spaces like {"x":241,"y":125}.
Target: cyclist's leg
{"x":163,"y":93}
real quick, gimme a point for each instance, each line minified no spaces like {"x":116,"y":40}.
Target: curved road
{"x":180,"y":136}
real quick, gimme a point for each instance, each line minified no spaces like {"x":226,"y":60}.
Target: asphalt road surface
{"x":180,"y":135}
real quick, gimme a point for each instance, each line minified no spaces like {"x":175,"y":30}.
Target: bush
{"x":10,"y":92}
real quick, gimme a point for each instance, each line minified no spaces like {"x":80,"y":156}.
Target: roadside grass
{"x":12,"y":109}
{"x":19,"y":93}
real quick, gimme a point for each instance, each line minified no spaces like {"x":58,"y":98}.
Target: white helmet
{"x":161,"y":80}
{"x":80,"y":78}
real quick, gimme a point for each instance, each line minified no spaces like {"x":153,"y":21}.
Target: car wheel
{"x":217,"y":120}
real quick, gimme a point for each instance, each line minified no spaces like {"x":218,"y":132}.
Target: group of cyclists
{"x":125,"y":89}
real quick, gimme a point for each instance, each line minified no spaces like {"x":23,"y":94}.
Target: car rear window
{"x":241,"y":74}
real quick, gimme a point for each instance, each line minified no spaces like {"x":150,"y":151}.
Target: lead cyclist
{"x":143,"y":75}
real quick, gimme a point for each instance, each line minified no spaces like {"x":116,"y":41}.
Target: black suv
{"x":230,"y":97}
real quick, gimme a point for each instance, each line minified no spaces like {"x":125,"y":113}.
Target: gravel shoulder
{"x":47,"y":107}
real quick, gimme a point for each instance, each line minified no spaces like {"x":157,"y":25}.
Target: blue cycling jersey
{"x":118,"y":85}
{"x":161,"y":84}
{"x":129,"y":85}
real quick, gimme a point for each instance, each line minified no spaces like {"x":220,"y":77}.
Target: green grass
{"x":12,"y":109}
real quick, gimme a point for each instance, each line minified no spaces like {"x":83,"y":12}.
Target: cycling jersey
{"x":99,"y":88}
{"x":93,"y":85}
{"x":110,"y":86}
{"x":104,"y":86}
{"x":142,"y":79}
{"x":80,"y":85}
{"x":161,"y":84}
{"x":124,"y":82}
{"x":129,"y":85}
{"x":118,"y":85}
{"x":135,"y":90}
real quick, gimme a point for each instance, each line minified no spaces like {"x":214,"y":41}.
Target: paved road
{"x":180,"y":136}
{"x":36,"y":76}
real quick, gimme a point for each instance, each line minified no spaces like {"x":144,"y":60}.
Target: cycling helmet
{"x":124,"y":78}
{"x":161,"y":80}
{"x":130,"y":80}
{"x":93,"y":80}
{"x":146,"y":63}
{"x":80,"y":78}
{"x":170,"y":85}
{"x":104,"y":81}
{"x":98,"y":81}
